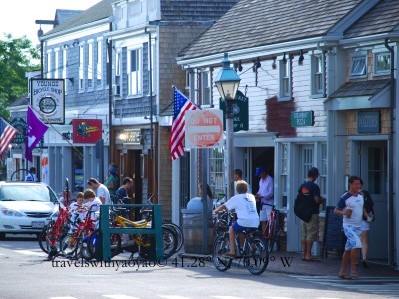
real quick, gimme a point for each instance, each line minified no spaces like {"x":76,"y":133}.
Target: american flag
{"x":7,"y":134}
{"x":181,"y":105}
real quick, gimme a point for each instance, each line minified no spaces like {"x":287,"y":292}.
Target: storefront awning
{"x":360,"y":95}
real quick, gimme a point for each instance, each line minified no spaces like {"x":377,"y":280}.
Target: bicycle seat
{"x":249,"y":230}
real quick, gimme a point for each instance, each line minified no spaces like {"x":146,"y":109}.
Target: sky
{"x":18,"y":16}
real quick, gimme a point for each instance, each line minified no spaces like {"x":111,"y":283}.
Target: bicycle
{"x":253,"y":252}
{"x":75,"y":244}
{"x":140,"y":241}
{"x":273,"y":228}
{"x":52,"y":234}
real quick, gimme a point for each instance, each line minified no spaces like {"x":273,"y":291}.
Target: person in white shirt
{"x":92,"y":204}
{"x":101,"y":191}
{"x":350,"y":206}
{"x":31,"y":176}
{"x":265,"y":195}
{"x":238,"y":177}
{"x":247,"y":217}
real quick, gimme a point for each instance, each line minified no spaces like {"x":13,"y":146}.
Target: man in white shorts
{"x":350,"y":206}
{"x":265,"y":195}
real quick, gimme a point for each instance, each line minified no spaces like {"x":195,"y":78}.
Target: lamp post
{"x":227,"y":82}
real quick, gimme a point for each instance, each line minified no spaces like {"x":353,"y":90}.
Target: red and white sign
{"x":204,"y":128}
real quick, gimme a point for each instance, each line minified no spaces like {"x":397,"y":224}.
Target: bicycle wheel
{"x":69,"y":245}
{"x":257,"y":256}
{"x":220,"y":247}
{"x":93,"y":243}
{"x":272,"y":235}
{"x":46,"y":235}
{"x":179,"y":234}
{"x":169,"y":242}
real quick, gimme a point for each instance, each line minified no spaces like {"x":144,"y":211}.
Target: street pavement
{"x":24,"y":274}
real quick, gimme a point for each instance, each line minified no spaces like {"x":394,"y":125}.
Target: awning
{"x":360,"y":95}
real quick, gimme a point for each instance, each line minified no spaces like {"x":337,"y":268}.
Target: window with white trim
{"x":358,"y":64}
{"x":317,"y":74}
{"x":205,"y":88}
{"x":285,"y":80}
{"x":323,"y":170}
{"x":90,"y":69}
{"x":134,"y":72}
{"x":99,"y":66}
{"x":306,"y":160}
{"x":81,"y":68}
{"x":284,"y":174}
{"x":49,"y":70}
{"x":216,"y":180}
{"x":382,"y":63}
{"x":64,"y":69}
{"x":56,"y":64}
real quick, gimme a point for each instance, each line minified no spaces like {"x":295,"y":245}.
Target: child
{"x":77,"y":211}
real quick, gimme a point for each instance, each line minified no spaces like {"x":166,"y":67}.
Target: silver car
{"x":25,"y":208}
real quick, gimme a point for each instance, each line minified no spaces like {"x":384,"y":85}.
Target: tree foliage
{"x":17,"y":56}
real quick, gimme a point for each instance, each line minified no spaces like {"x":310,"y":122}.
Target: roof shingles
{"x":252,"y":23}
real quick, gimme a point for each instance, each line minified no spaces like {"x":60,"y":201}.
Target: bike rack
{"x":106,"y":230}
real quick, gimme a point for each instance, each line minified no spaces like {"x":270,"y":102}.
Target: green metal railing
{"x":106,"y":230}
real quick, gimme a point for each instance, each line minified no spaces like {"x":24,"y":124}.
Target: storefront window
{"x":77,"y":158}
{"x":216,"y":172}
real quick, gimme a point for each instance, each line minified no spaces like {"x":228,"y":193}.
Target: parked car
{"x":25,"y":208}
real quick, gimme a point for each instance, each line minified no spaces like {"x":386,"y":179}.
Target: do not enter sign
{"x":204,"y":128}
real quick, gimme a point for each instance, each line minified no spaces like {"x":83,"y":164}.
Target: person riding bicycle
{"x":247,"y":217}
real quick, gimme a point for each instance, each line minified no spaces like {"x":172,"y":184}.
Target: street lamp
{"x":227,"y":82}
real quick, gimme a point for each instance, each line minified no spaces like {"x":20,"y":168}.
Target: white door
{"x":373,"y":171}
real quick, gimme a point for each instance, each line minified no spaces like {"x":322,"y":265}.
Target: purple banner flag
{"x":34,"y":132}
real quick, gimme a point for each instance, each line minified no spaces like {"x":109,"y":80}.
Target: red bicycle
{"x":273,"y":229}
{"x":74,"y":245}
{"x":52,"y":234}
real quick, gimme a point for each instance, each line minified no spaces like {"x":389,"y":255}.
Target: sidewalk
{"x":292,"y":263}
{"x":329,"y":266}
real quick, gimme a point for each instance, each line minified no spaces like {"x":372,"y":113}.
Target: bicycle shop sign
{"x":48,"y":99}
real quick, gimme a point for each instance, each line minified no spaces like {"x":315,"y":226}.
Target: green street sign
{"x":19,"y":124}
{"x":240,"y":110}
{"x":302,"y":119}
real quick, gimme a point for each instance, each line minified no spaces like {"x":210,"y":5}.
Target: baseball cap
{"x":259,"y":170}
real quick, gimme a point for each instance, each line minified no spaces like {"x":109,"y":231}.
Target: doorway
{"x":372,"y":165}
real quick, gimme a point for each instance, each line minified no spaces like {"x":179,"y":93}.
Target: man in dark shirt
{"x":310,"y":230}
{"x":121,"y":193}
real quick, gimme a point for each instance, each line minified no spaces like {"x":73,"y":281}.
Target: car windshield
{"x":26,"y":193}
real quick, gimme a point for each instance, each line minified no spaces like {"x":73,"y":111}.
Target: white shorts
{"x":264,"y":214}
{"x":365,"y":225}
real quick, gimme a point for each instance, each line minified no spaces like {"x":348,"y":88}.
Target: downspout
{"x":151,"y":111}
{"x":391,"y":235}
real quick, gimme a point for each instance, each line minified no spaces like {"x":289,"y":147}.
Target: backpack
{"x":303,"y":206}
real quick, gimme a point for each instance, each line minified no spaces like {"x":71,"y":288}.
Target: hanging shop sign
{"x":86,"y":130}
{"x":302,"y":119}
{"x":19,"y":124}
{"x":240,"y":111}
{"x":130,"y":136}
{"x":48,"y":99}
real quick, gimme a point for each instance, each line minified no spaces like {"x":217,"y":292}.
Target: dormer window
{"x":358,"y":64}
{"x":382,"y":63}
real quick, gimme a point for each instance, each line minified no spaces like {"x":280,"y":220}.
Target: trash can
{"x":192,"y":231}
